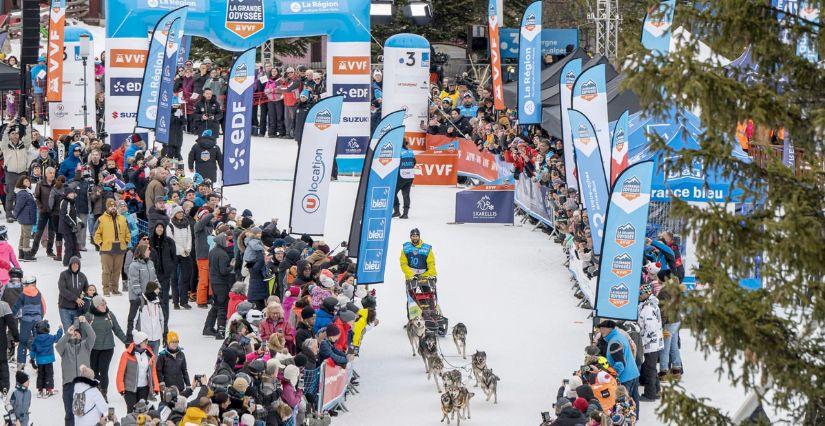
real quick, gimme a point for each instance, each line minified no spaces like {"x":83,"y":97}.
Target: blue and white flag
{"x":567,"y":78}
{"x":377,"y":217}
{"x":620,"y":271}
{"x":238,"y":120}
{"x":788,"y":154}
{"x":619,"y":147}
{"x":591,"y":174}
{"x":147,"y":112}
{"x":590,"y":98}
{"x":656,"y":30}
{"x":183,"y":54}
{"x":529,"y":68}
{"x":167,"y":81}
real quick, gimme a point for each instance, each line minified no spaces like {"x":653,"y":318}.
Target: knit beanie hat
{"x":307,"y":312}
{"x":291,"y":373}
{"x":98,"y":301}
{"x":332,"y":330}
{"x":580,"y":404}
{"x":21,"y":377}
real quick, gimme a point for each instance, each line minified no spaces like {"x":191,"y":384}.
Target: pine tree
{"x":771,"y":338}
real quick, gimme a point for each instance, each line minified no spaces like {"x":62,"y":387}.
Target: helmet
{"x":254,"y":316}
{"x":16,"y":273}
{"x":29,"y":280}
{"x":4,"y":232}
{"x":42,"y":327}
{"x":415,"y":231}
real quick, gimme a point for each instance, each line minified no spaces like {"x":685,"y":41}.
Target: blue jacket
{"x":665,"y":256}
{"x":43,"y":347}
{"x":407,"y":166}
{"x":468,"y":111}
{"x":258,"y":288}
{"x":69,"y":165}
{"x":322,"y":320}
{"x":327,"y":350}
{"x":25,"y":209}
{"x":620,"y":356}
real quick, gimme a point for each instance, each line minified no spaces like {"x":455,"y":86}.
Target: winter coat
{"x":343,"y":342}
{"x":96,"y":405}
{"x":30,"y":306}
{"x":7,"y":322}
{"x":328,"y":350}
{"x":106,"y":328}
{"x":289,"y":394}
{"x":268,"y":328}
{"x":127,"y":372}
{"x":42,"y":193}
{"x":68,"y":217}
{"x":318,"y":294}
{"x":302,"y":333}
{"x":193,"y":416}
{"x":149,"y":318}
{"x":140,"y":273}
{"x":157,"y":216}
{"x":71,"y":286}
{"x":203,"y":228}
{"x":155,"y":188}
{"x":43,"y":347}
{"x":570,"y":416}
{"x":205,"y":157}
{"x":21,"y":401}
{"x":163,"y":255}
{"x":8,"y":258}
{"x":111,"y":229}
{"x":172,"y":370}
{"x":360,"y":327}
{"x":235,"y":299}
{"x":16,"y":156}
{"x":221,"y":274}
{"x":73,"y":355}
{"x":181,"y":234}
{"x":322,"y":320}
{"x":258,"y":288}
{"x":620,"y":356}
{"x":650,"y":321}
{"x":82,"y":200}
{"x":25,"y":208}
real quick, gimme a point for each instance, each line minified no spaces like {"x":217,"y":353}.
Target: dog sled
{"x":422,"y":300}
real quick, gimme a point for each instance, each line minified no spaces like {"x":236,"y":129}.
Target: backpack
{"x":79,"y":404}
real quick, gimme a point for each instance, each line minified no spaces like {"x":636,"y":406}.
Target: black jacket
{"x":205,"y":157}
{"x":302,"y":333}
{"x":71,"y":286}
{"x":7,"y":322}
{"x":171,"y":369}
{"x":570,"y":416}
{"x":157,"y":216}
{"x":68,"y":217}
{"x":221,"y":274}
{"x":163,"y":255}
{"x":176,"y":130}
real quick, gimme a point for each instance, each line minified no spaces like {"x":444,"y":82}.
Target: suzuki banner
{"x":407,"y":83}
{"x":590,"y":98}
{"x":313,"y":166}
{"x":589,"y":166}
{"x":238,"y":120}
{"x":68,"y":114}
{"x":619,"y":147}
{"x":569,"y":73}
{"x":657,"y":27}
{"x":377,"y":212}
{"x":485,"y":204}
{"x":620,"y":271}
{"x":495,"y":18}
{"x":147,"y":112}
{"x":389,"y":122}
{"x":529,"y":66}
{"x":167,"y":81}
{"x":57,"y":26}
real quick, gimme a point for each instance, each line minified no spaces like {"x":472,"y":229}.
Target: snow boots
{"x":59,"y":252}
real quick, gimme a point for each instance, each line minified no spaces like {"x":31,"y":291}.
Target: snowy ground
{"x":507,"y":284}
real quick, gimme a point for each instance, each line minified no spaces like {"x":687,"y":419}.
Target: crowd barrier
{"x":575,"y":265}
{"x":445,"y":158}
{"x":333,"y":383}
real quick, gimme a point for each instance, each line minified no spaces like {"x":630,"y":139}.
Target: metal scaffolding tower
{"x":268,"y":52}
{"x":607,"y":19}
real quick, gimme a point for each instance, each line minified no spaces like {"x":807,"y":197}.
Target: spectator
{"x":71,"y":285}
{"x":650,"y":320}
{"x":14,"y":146}
{"x":136,"y":374}
{"x":113,"y":237}
{"x":74,"y":348}
{"x":94,"y":402}
{"x":620,"y":357}
{"x":106,"y":328}
{"x":43,"y":355}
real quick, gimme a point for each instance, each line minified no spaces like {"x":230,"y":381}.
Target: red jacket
{"x":118,"y":156}
{"x":342,"y":343}
{"x":235,"y":299}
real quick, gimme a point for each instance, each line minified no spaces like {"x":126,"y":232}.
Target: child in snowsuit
{"x":254,"y":246}
{"x":42,"y":353}
{"x":150,"y":317}
{"x":21,"y":398}
{"x":31,"y":309}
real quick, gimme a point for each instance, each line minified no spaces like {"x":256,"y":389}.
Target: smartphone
{"x":545,"y":416}
{"x":566,"y":382}
{"x":111,"y":414}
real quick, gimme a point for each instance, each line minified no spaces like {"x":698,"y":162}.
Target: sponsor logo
{"x":241,"y":73}
{"x":352,"y":144}
{"x":311,"y":202}
{"x":356,"y":119}
{"x":618,"y":295}
{"x":128,"y":58}
{"x":191,"y":4}
{"x":425,"y":60}
{"x":323,"y":119}
{"x":385,"y":154}
{"x":530,"y":22}
{"x":530,"y":107}
{"x":485,"y":204}
{"x":117,"y":115}
{"x":373,"y":260}
{"x":626,"y":235}
{"x":351,"y":65}
{"x":569,"y":79}
{"x":376,"y":229}
{"x":583,"y":134}
{"x":380,"y":198}
{"x":352,"y":92}
{"x":622,"y":265}
{"x":244,"y":17}
{"x":317,"y":6}
{"x":620,"y":139}
{"x":589,"y":91}
{"x":485,"y":209}
{"x":631,"y":188}
{"x":60,"y":111}
{"x":688,"y":171}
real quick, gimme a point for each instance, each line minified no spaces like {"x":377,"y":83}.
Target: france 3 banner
{"x":619,"y":147}
{"x":310,"y":187}
{"x":333,"y":383}
{"x":238,"y":120}
{"x":147,"y":112}
{"x":485,"y":204}
{"x":569,"y":73}
{"x":407,"y":83}
{"x":529,"y":69}
{"x":590,"y":98}
{"x":377,"y":216}
{"x":617,"y":289}
{"x":389,"y":122}
{"x":593,"y":180}
{"x":495,"y":18}
{"x":167,"y":81}
{"x":656,"y":29}
{"x":57,"y":27}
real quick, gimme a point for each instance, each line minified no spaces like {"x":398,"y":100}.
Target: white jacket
{"x":650,"y":321}
{"x":183,"y":239}
{"x":95,"y":406}
{"x":150,"y":319}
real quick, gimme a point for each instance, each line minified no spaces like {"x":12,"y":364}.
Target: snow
{"x":506,"y":283}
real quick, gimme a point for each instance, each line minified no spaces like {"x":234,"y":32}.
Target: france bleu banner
{"x":377,"y":217}
{"x":656,"y":28}
{"x":238,"y":120}
{"x":310,"y":185}
{"x":619,"y":147}
{"x":617,"y":288}
{"x":529,"y":69}
{"x":485,"y":204}
{"x":389,"y":122}
{"x":147,"y":112}
{"x":567,"y":77}
{"x":590,"y":98}
{"x":167,"y":81}
{"x":591,"y":174}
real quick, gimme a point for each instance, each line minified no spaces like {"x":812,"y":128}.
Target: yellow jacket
{"x":453,"y":97}
{"x":193,"y":416}
{"x":360,"y":327}
{"x":105,"y":232}
{"x":405,"y":261}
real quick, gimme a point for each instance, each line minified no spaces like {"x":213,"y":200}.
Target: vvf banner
{"x":529,"y":67}
{"x":495,"y":20}
{"x":567,"y":78}
{"x":589,"y":166}
{"x":619,"y":148}
{"x":310,"y":185}
{"x":238,"y":125}
{"x":656,"y":29}
{"x":147,"y":112}
{"x":590,"y":98}
{"x":167,"y":81}
{"x":617,"y":289}
{"x":377,"y":216}
{"x":57,"y":26}
{"x":389,"y":122}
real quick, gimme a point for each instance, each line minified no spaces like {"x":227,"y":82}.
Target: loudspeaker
{"x":30,"y":40}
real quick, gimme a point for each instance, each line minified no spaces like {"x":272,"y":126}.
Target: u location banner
{"x":617,"y":289}
{"x":238,"y":120}
{"x":529,"y":69}
{"x":567,"y":78}
{"x":590,"y":98}
{"x":313,"y":166}
{"x":57,"y":26}
{"x":594,"y":183}
{"x":485,"y":204}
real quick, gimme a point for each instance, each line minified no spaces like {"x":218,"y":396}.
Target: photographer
{"x":15,"y":148}
{"x":208,"y":114}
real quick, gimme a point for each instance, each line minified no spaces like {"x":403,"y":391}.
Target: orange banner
{"x":54,"y":76}
{"x":436,"y":168}
{"x":416,"y":141}
{"x":470,"y":161}
{"x":495,"y":62}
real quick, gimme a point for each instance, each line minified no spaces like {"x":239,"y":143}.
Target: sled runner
{"x":422,"y":300}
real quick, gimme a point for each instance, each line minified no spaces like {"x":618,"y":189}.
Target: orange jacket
{"x":118,"y":156}
{"x":129,"y":361}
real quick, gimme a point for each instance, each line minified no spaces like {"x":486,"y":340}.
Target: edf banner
{"x":310,"y":187}
{"x":238,"y":120}
{"x":167,"y":81}
{"x":590,"y":98}
{"x":656,"y":29}
{"x":529,"y":69}
{"x":617,"y":289}
{"x":147,"y":112}
{"x":57,"y":25}
{"x":589,"y":166}
{"x":377,"y":216}
{"x":619,"y":147}
{"x":567,"y":78}
{"x":485,"y":204}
